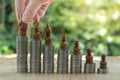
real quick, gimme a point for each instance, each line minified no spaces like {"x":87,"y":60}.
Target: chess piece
{"x":22,"y":28}
{"x":22,"y":66}
{"x":89,"y":65}
{"x":76,"y":59}
{"x":48,"y":53}
{"x":35,"y":50}
{"x":103,"y":65}
{"x":62,"y":58}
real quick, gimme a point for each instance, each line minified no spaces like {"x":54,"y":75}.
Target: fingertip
{"x":30,"y":11}
{"x":19,"y":8}
{"x":37,"y":17}
{"x":26,"y":19}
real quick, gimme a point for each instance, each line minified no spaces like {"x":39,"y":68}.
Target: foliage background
{"x":95,"y":23}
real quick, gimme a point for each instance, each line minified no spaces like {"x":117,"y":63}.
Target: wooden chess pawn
{"x":48,"y":52}
{"x":48,"y":39}
{"x":36,"y":32}
{"x":63,"y":44}
{"x":62,"y":58}
{"x":22,"y":28}
{"x":76,"y":49}
{"x":103,"y":65}
{"x":89,"y":65}
{"x":76,"y":59}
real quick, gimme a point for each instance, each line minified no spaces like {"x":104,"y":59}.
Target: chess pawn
{"x":62,"y":58}
{"x":22,"y":54}
{"x":103,"y":65}
{"x":48,"y":53}
{"x":35,"y":50}
{"x":22,"y":28}
{"x":89,"y":66}
{"x":76,"y":59}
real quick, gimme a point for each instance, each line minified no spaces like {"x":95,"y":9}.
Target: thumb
{"x":31,"y":10}
{"x":19,"y":8}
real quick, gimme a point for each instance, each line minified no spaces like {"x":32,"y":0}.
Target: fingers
{"x":32,"y":10}
{"x":19,"y":8}
{"x":42,"y":10}
{"x":36,"y":17}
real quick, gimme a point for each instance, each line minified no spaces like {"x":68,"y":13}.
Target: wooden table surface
{"x":8,"y":71}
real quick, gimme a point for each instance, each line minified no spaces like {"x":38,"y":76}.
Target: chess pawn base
{"x":48,"y":59}
{"x":22,"y":66}
{"x":89,"y":68}
{"x":102,"y":71}
{"x":76,"y":64}
{"x":35,"y":56}
{"x":62,"y":62}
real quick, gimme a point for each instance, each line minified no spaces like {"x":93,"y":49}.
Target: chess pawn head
{"x":103,"y":63}
{"x":76,"y":49}
{"x":63,"y":44}
{"x":47,"y":31}
{"x":89,"y":57}
{"x":36,"y":23}
{"x":22,"y":28}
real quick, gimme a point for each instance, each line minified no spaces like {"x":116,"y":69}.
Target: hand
{"x":29,"y":10}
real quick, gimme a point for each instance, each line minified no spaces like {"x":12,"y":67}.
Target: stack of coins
{"x":35,"y":57}
{"x":35,"y":50}
{"x":48,"y":53}
{"x":62,"y":62}
{"x":89,"y":66}
{"x":48,"y":59}
{"x":76,"y":64}
{"x":103,"y":65}
{"x":22,"y":66}
{"x":76,"y":59}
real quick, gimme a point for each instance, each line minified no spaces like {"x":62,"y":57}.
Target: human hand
{"x":29,"y":10}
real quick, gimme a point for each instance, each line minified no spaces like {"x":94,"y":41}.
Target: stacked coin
{"x":35,"y":56}
{"x":89,"y":68}
{"x":22,"y":66}
{"x":62,"y":62}
{"x":76,"y":63}
{"x":48,"y":59}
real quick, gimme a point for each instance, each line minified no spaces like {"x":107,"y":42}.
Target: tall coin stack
{"x":48,"y":53}
{"x":76,"y":59}
{"x":62,"y":62}
{"x":35,"y":50}
{"x":22,"y":66}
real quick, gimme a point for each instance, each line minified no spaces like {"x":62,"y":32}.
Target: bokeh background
{"x":95,"y":23}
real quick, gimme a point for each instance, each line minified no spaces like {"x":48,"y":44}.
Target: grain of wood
{"x":8,"y":71}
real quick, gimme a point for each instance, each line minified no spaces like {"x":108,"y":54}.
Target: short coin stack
{"x":89,"y":66}
{"x":62,"y":59}
{"x":48,"y":53}
{"x":103,"y":65}
{"x":76,"y":59}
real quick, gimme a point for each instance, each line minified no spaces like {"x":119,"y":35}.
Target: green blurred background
{"x":96,"y":23}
